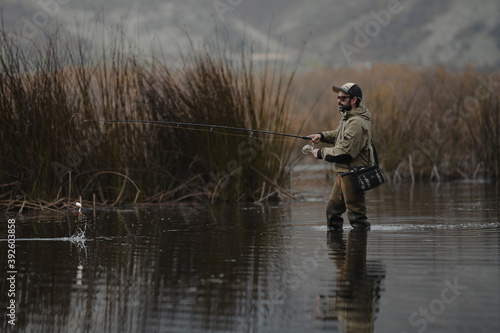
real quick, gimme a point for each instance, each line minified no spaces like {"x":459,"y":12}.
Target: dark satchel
{"x":365,"y":178}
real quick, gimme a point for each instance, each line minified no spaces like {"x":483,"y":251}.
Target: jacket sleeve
{"x":334,"y":159}
{"x":350,"y":144}
{"x":330,"y":136}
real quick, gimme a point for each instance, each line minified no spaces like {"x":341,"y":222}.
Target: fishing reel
{"x":308,"y":148}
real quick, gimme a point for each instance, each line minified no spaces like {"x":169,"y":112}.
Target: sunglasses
{"x":343,"y":98}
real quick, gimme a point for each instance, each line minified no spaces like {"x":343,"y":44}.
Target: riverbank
{"x":52,"y":156}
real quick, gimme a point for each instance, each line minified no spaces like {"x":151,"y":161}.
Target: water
{"x":430,"y":263}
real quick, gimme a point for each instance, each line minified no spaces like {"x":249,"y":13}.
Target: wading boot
{"x":334,"y":216}
{"x":361,"y":225}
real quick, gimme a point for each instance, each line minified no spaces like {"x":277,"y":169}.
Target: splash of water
{"x":79,"y":238}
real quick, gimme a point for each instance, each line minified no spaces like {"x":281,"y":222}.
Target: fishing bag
{"x":365,"y":178}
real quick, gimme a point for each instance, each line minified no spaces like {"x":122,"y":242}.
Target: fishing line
{"x":222,"y":133}
{"x":175,"y":124}
{"x":308,"y":148}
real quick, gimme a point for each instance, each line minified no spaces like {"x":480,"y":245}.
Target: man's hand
{"x":316,"y":138}
{"x":315,"y":153}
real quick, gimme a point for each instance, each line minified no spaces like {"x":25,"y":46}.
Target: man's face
{"x":344,"y":101}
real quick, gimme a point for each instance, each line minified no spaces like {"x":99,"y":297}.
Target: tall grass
{"x":52,"y":156}
{"x":428,"y":123}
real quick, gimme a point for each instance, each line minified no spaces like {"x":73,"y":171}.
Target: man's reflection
{"x":354,"y":300}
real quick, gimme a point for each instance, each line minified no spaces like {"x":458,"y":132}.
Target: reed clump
{"x":53,"y":155}
{"x":428,"y":123}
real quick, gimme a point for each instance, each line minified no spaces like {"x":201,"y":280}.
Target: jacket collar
{"x":360,"y":111}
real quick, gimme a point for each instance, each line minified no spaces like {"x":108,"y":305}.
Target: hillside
{"x":338,"y":34}
{"x":452,"y":32}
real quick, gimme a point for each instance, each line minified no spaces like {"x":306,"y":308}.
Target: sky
{"x":334,"y":33}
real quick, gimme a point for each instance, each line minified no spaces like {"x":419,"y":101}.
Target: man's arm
{"x":347,"y":148}
{"x":329,"y":136}
{"x":344,"y":158}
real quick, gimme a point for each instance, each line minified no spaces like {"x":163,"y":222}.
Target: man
{"x":351,"y":148}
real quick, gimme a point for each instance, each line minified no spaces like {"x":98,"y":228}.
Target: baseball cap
{"x":350,"y":88}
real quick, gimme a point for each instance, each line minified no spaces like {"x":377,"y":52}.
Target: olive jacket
{"x":351,"y":140}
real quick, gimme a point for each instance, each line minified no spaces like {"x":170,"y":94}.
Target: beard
{"x":344,"y":108}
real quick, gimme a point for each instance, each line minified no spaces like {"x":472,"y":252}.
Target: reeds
{"x":428,"y":123}
{"x":51,"y":156}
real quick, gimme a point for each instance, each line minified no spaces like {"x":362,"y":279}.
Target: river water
{"x":430,"y":263}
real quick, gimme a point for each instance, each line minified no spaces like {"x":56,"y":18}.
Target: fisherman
{"x":351,"y":148}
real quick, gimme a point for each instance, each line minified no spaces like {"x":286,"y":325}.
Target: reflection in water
{"x":260,"y":268}
{"x":354,"y":301}
{"x":142,"y":270}
{"x":79,"y":275}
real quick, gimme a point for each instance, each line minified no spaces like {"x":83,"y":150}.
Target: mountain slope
{"x":338,"y":34}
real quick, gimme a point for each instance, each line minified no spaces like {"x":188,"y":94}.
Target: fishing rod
{"x":178,"y":124}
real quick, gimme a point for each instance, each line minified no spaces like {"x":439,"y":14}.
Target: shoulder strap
{"x":374,"y":153}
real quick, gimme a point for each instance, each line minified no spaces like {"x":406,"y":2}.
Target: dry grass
{"x":52,"y":156}
{"x":427,"y":122}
